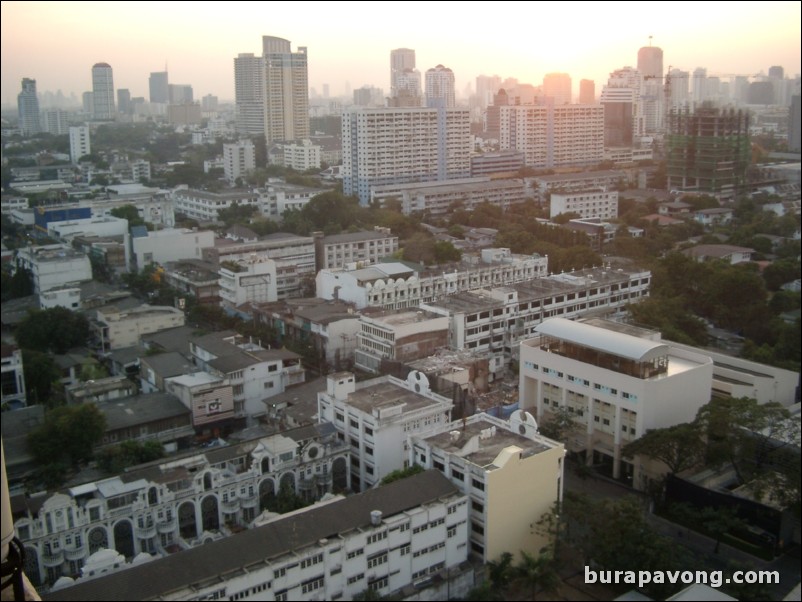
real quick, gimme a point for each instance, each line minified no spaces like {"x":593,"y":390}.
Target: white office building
{"x":619,"y":382}
{"x":376,"y":416}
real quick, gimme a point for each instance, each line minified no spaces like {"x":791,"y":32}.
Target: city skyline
{"x":346,"y":50}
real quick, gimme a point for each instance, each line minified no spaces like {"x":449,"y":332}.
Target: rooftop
{"x":385,"y":392}
{"x":479,"y":440}
{"x":141,"y":409}
{"x":259,"y":546}
{"x":355,"y":237}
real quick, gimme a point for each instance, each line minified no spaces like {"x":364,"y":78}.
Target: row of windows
{"x":438,"y":546}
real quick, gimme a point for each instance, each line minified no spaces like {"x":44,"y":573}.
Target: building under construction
{"x":708,"y":151}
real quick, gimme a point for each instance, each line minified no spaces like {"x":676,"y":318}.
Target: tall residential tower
{"x":286,"y":100}
{"x":28,"y":106}
{"x":102,"y":92}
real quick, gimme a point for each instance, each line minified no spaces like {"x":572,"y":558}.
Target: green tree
{"x":130,"y":213}
{"x":41,"y":376}
{"x":69,"y":433}
{"x":117,"y":458}
{"x":57,"y":330}
{"x":679,"y":447}
{"x":537,"y":572}
{"x":19,"y":285}
{"x":560,"y":426}
{"x":445,"y":252}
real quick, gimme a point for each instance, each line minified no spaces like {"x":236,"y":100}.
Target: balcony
{"x":166,"y":525}
{"x":249,"y":501}
{"x":231,"y":506}
{"x":53,"y":559}
{"x":77,"y":553}
{"x":145,"y":532}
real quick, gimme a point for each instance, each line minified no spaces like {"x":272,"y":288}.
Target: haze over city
{"x":56,"y":43}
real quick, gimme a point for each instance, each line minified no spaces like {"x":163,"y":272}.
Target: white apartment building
{"x":251,"y":280}
{"x":115,"y":329}
{"x":376,"y":416}
{"x":512,"y":476}
{"x":9,"y":204}
{"x":249,"y":78}
{"x":278,"y":198}
{"x":575,"y":182}
{"x":239,"y":158}
{"x":180,"y":502}
{"x":496,"y":320}
{"x":553,"y":136}
{"x":300,"y":155}
{"x":255,"y":373}
{"x":152,"y":205}
{"x":366,"y":247}
{"x":53,"y":266}
{"x":404,"y":539}
{"x":91,"y":226}
{"x":204,"y":206}
{"x":587,"y":204}
{"x":396,"y":286}
{"x":437,"y":198}
{"x":400,"y":336}
{"x":440,"y":87}
{"x":79,"y":142}
{"x":618,"y":384}
{"x":294,"y":256}
{"x":172,"y":244}
{"x":400,"y":145}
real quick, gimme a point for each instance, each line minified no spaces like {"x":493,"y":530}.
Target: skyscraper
{"x":650,"y":65}
{"x":405,"y":80}
{"x":159,"y":87}
{"x":79,"y":142}
{"x":28,"y":106}
{"x":587,"y":92}
{"x":440,"y":87}
{"x":623,"y":112}
{"x":557,"y":86}
{"x":102,"y":92}
{"x":249,"y":93}
{"x":124,"y":101}
{"x":286,"y":99}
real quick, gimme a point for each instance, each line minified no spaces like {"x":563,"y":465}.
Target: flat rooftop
{"x":387,"y":394}
{"x":489,"y":447}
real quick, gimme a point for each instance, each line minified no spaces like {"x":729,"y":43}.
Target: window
{"x":312,"y":585}
{"x":404,"y":550}
{"x":355,"y":553}
{"x":355,"y":578}
{"x":377,"y":537}
{"x":478,"y":484}
{"x":378,"y":584}
{"x":316,"y":559}
{"x":452,"y":532}
{"x":456,"y":474}
{"x":377,"y":560}
{"x":477,"y":506}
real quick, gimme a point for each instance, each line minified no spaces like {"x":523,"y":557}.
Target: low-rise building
{"x":375,"y":417}
{"x":574,"y":182}
{"x":602,"y":204}
{"x":174,"y":244}
{"x":729,"y":253}
{"x":294,"y":256}
{"x":397,"y":286}
{"x":114,"y":328}
{"x":194,"y":277}
{"x":403,"y":539}
{"x":205,"y":206}
{"x":365,"y":247}
{"x":53,"y":266}
{"x":210,"y":399}
{"x":398,"y":336}
{"x":13,"y":377}
{"x":150,"y":417}
{"x":300,"y":155}
{"x":331,"y":327}
{"x":716,"y":216}
{"x":100,"y":390}
{"x":251,"y":280}
{"x":498,"y":464}
{"x":276,"y":198}
{"x":619,"y":382}
{"x":177,"y":503}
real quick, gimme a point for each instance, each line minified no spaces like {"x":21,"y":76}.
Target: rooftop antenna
{"x":650,"y":41}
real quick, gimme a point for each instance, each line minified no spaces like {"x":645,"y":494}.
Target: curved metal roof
{"x":601,"y":339}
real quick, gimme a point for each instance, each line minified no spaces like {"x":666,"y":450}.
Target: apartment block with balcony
{"x":366,"y":247}
{"x":404,"y":539}
{"x":497,"y":464}
{"x":375,"y":417}
{"x":177,"y":503}
{"x":618,"y":381}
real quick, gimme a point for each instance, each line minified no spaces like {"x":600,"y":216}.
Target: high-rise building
{"x":55,"y":121}
{"x":776,"y":72}
{"x":102,"y":92}
{"x":708,"y":151}
{"x":552,"y":135}
{"x":486,"y":87}
{"x":587,"y":92}
{"x":405,"y":80}
{"x":286,"y":98}
{"x":79,"y":142}
{"x":400,"y":145}
{"x":28,"y":106}
{"x":159,"y":87}
{"x":557,"y":87}
{"x":124,"y":101}
{"x":249,"y":93}
{"x":650,"y":65}
{"x":679,"y":84}
{"x":623,"y":111}
{"x":180,"y":94}
{"x":238,"y":159}
{"x":699,"y":85}
{"x":440,"y":87}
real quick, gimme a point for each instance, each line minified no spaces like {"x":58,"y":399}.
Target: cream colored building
{"x":512,"y":475}
{"x":115,"y":329}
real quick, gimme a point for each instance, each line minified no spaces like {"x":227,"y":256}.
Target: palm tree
{"x":537,"y":571}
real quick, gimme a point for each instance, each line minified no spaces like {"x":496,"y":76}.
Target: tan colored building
{"x":115,"y":329}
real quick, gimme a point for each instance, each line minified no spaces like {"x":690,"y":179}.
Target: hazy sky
{"x":57,"y":43}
